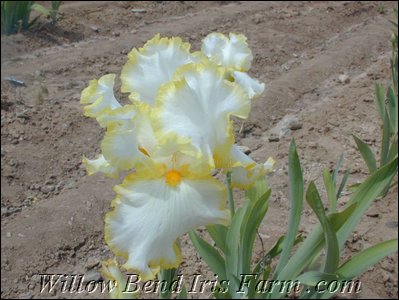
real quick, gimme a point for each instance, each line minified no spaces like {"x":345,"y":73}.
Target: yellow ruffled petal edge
{"x":164,"y":41}
{"x":222,"y":73}
{"x":132,"y":62}
{"x":220,"y":160}
{"x":99,"y":96}
{"x":112,"y":118}
{"x":154,"y":265}
{"x":244,"y":65}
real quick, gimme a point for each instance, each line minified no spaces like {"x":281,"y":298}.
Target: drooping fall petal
{"x":150,"y":214}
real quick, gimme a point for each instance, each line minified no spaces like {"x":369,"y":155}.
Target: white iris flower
{"x":174,"y":134}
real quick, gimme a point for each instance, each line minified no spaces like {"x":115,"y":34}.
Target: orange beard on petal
{"x":173,"y":178}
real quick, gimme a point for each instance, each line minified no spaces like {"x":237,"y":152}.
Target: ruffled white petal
{"x":100,"y":164}
{"x":99,"y":96}
{"x":148,"y":68}
{"x":149,"y":215}
{"x":252,"y":86}
{"x":198,"y":105}
{"x":232,"y":52}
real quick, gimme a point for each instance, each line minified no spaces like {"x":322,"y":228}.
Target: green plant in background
{"x":52,"y":13}
{"x":15,"y":15}
{"x":233,"y":255}
{"x":387,"y":105}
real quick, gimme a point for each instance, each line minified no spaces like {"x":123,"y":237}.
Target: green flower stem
{"x":230,"y":193}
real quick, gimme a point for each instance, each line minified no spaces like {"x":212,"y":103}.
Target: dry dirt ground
{"x":52,"y":212}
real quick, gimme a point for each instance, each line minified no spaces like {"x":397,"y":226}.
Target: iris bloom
{"x":176,"y":132}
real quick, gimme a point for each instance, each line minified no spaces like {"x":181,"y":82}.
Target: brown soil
{"x":52,"y":212}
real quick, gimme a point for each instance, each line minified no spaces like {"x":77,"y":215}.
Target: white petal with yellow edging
{"x":121,"y":116}
{"x":198,"y":105}
{"x":231,"y":52}
{"x":151,"y":66}
{"x":99,"y":96}
{"x":150,"y":215}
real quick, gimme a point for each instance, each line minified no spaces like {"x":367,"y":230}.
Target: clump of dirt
{"x":319,"y":61}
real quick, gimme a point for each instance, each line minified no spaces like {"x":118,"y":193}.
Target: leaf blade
{"x":367,"y":154}
{"x":296,"y":195}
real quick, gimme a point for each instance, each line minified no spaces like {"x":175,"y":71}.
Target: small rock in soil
{"x":373,"y":215}
{"x":244,"y":149}
{"x":92,"y":276}
{"x":91,"y":263}
{"x":4,"y":211}
{"x":274,"y":138}
{"x":34,"y":186}
{"x":139,"y":10}
{"x":59,"y":185}
{"x":344,"y":79}
{"x":9,"y":211}
{"x":95,"y":28}
{"x":22,"y":115}
{"x":391,"y":224}
{"x":47,"y":189}
{"x":257,"y":18}
{"x":295,"y":124}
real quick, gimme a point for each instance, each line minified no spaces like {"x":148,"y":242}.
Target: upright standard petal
{"x":198,"y":104}
{"x":149,"y":214}
{"x":232,"y":53}
{"x":99,"y":96}
{"x":151,"y":66}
